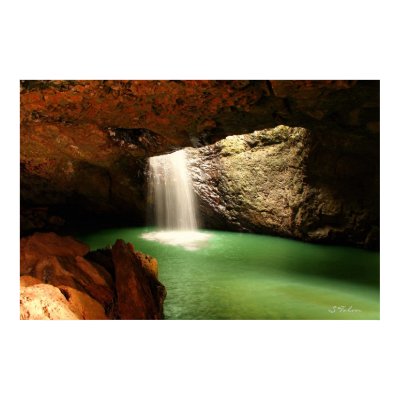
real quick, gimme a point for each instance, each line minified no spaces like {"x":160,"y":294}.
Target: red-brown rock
{"x":44,"y":302}
{"x":41,"y":245}
{"x":148,"y":262}
{"x":82,"y":305}
{"x":27,"y":280}
{"x":58,"y":261}
{"x":139,"y":294}
{"x":89,"y":290}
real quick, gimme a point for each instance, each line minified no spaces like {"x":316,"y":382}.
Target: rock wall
{"x":291,"y":182}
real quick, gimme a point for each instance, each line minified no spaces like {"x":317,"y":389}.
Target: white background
{"x":198,"y":359}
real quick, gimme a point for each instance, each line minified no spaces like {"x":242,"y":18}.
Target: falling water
{"x":173,"y":203}
{"x":171,"y":189}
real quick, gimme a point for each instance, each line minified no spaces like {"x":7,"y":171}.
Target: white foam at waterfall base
{"x":173,"y":202}
{"x":189,"y":240}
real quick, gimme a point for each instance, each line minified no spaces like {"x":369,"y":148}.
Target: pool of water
{"x":246,"y":276}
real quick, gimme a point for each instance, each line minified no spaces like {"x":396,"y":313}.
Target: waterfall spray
{"x":173,"y":203}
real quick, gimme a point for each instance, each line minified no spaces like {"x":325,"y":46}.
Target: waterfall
{"x":170,"y":187}
{"x":172,"y":201}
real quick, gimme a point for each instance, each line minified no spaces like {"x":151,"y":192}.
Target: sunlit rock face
{"x":84,"y":144}
{"x":61,"y":279}
{"x":291,"y":182}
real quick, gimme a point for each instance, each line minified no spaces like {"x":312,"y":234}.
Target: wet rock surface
{"x":54,"y":266}
{"x":291,"y":182}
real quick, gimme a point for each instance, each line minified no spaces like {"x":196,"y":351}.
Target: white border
{"x":181,"y":40}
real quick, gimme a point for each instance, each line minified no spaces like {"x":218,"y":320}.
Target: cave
{"x":145,"y":199}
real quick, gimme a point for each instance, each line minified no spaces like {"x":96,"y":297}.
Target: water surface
{"x":246,"y":276}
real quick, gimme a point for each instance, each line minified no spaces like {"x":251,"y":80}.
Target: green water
{"x":246,"y":276}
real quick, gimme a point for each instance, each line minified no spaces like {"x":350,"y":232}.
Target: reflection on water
{"x":189,"y":240}
{"x":245,"y":276}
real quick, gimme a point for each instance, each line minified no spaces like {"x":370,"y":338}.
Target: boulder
{"x":27,"y":280}
{"x":44,"y":301}
{"x":39,"y":245}
{"x":139,"y":294}
{"x":104,"y":284}
{"x":82,"y":305}
{"x":149,"y":263}
{"x":76,"y":273}
{"x":290,"y":182}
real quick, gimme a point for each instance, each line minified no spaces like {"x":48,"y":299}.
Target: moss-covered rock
{"x":274,"y":181}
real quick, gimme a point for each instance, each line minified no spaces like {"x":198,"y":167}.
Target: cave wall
{"x":291,"y":182}
{"x":84,"y":144}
